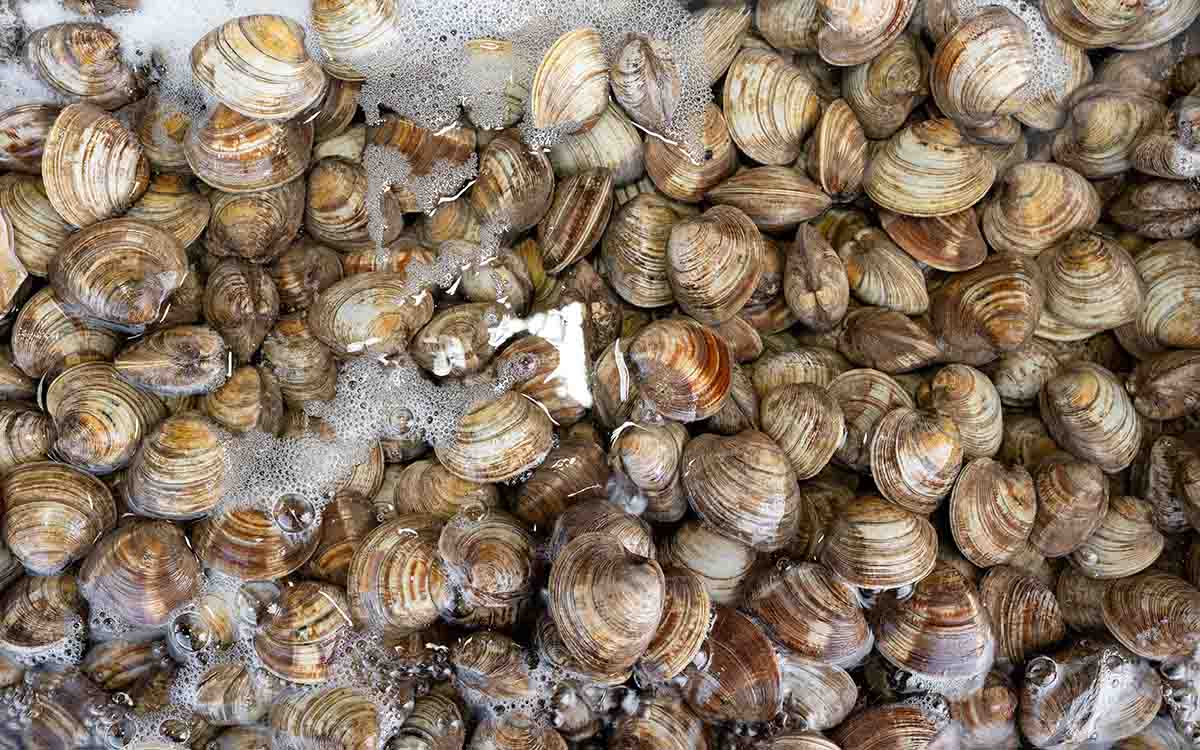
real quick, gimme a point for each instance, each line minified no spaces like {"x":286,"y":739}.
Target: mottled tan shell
{"x":425,"y":486}
{"x":837,"y":152}
{"x":770,"y":106}
{"x":178,"y":471}
{"x":1037,"y":205}
{"x":982,"y":68}
{"x":37,"y":612}
{"x":298,"y":641}
{"x":141,"y":573}
{"x":929,"y":169}
{"x":335,"y":211}
{"x":864,"y":396}
{"x":1081,"y":599}
{"x":721,"y":563}
{"x":880,"y":273}
{"x":369,"y":313}
{"x":1090,"y":414}
{"x":250,"y":545}
{"x":498,"y":440}
{"x":714,"y":263}
{"x":887,"y":340}
{"x":992,"y":510}
{"x":23,"y":131}
{"x":1025,"y":615}
{"x":37,"y":230}
{"x":805,"y":421}
{"x":49,"y":337}
{"x":339,"y":716}
{"x":258,"y":226}
{"x":304,"y":367}
{"x":572,"y":473}
{"x":875,"y":544}
{"x":82,"y":61}
{"x":1154,"y":615}
{"x":179,"y":361}
{"x":241,"y":302}
{"x":613,"y":143}
{"x":515,"y":184}
{"x":302,"y":272}
{"x":570,"y":86}
{"x":723,"y":28}
{"x":601,"y":516}
{"x":1166,"y":386}
{"x":968,"y":397}
{"x":578,"y":216}
{"x":663,"y":721}
{"x":1105,"y":123}
{"x":92,"y":166}
{"x":646,"y":81}
{"x":488,"y":555}
{"x":883,"y":91}
{"x":1091,"y":282}
{"x":1126,"y":541}
{"x":395,"y":581}
{"x":915,"y":458}
{"x":1171,"y":272}
{"x":687,"y":612}
{"x":237,"y":154}
{"x":351,"y":34}
{"x":53,"y":513}
{"x":258,"y":66}
{"x":173,"y":204}
{"x":1072,"y":502}
{"x":991,"y":309}
{"x":633,"y":254}
{"x":741,"y":680}
{"x":1094,"y":23}
{"x":677,"y":176}
{"x":815,"y":283}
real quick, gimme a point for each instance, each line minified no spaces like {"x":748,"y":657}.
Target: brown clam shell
{"x":1166,"y":386}
{"x":298,"y":641}
{"x":882,"y":339}
{"x":238,"y":154}
{"x":179,"y":470}
{"x":992,"y":511}
{"x":26,"y":434}
{"x":241,"y":302}
{"x":256,"y":226}
{"x":989,"y":309}
{"x":875,"y":544}
{"x":714,"y":263}
{"x":37,"y":612}
{"x":1154,"y":615}
{"x":179,"y":361}
{"x":250,"y":545}
{"x":249,"y":400}
{"x":806,"y":422}
{"x":488,"y":555}
{"x":864,"y":396}
{"x":815,"y":285}
{"x":345,"y":522}
{"x":515,"y":185}
{"x":1090,"y":414}
{"x":1026,"y":617}
{"x":687,"y":613}
{"x":53,"y":513}
{"x":677,"y":176}
{"x":303,"y":366}
{"x":498,"y":440}
{"x":574,"y":472}
{"x":24,"y":129}
{"x":341,"y":717}
{"x":1072,"y":502}
{"x":369,"y":313}
{"x":173,"y":203}
{"x":915,"y":458}
{"x":967,"y":396}
{"x":948,"y":243}
{"x":425,"y":486}
{"x":1125,"y":543}
{"x":302,"y":272}
{"x":741,"y":678}
{"x":602,"y":516}
{"x":577,"y":218}
{"x":775,"y":198}
{"x":396,"y":582}
{"x":683,"y":369}
{"x":37,"y":230}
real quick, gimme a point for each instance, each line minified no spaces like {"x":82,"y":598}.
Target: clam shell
{"x":682,"y":368}
{"x":1081,"y":599}
{"x":500,"y":89}
{"x":258,"y":226}
{"x":882,"y":339}
{"x":437,"y":721}
{"x":458,"y":341}
{"x":258,"y":66}
{"x":721,"y":563}
{"x":336,"y":212}
{"x":52,"y":515}
{"x":426,"y":487}
{"x":237,"y":154}
{"x":1018,"y":376}
{"x":864,"y":396}
{"x":1089,"y":414}
{"x":1125,"y":543}
{"x":37,"y":230}
{"x":82,"y":61}
{"x":345,"y":522}
{"x":633,"y":252}
{"x":663,"y":721}
{"x":1105,"y":123}
{"x":572,"y":473}
{"x":577,"y":218}
{"x":174,"y":205}
{"x":1171,"y":272}
{"x":179,"y":361}
{"x":338,"y":717}
{"x":369,"y":313}
{"x":161,"y":126}
{"x":992,"y":511}
{"x":488,"y":555}
{"x":1025,"y":615}
{"x":1093,"y":23}
{"x":48,"y":337}
{"x":602,"y":516}
{"x":304,"y":367}
{"x":570,"y":86}
{"x":517,"y":731}
{"x":546,"y":383}
{"x":506,"y":282}
{"x":1072,"y":502}
{"x":606,"y":602}
{"x":250,"y":399}
{"x":807,"y":423}
{"x":1160,"y":24}
{"x":856,"y":31}
{"x":179,"y":470}
{"x":883,"y":91}
{"x":140,"y":573}
{"x":815,"y":696}
{"x":687,"y":613}
{"x":26,"y":434}
{"x":837,"y":152}
{"x":250,"y":545}
{"x":423,"y":150}
{"x":494,"y":665}
{"x":241,"y":302}
{"x":776,"y":199}
{"x":395,"y":581}
{"x":1166,"y":386}
{"x":1037,"y":205}
{"x":99,"y":418}
{"x":298,"y":642}
{"x":714,"y":263}
{"x":723,"y":28}
{"x":302,"y":272}
{"x":949,"y":243}
{"x":812,"y":613}
{"x":336,"y":110}
{"x":894,"y":725}
{"x":770,"y":106}
{"x":678,"y":177}
{"x":816,"y":365}
{"x":1092,"y":282}
{"x":227,"y":694}
{"x":498,"y":440}
{"x":92,"y":166}
{"x":24,"y":129}
{"x":981,"y":67}
{"x":1048,"y":110}
{"x":514,"y":186}
{"x":613,"y":143}
{"x":816,"y":285}
{"x":915,"y":458}
{"x":352,"y":34}
{"x":874,"y":544}
{"x":646,"y":81}
{"x":36,"y":614}
{"x":741,"y":678}
{"x":991,"y":309}
{"x":1158,"y":209}
{"x":767,"y":310}
{"x":121,"y":664}
{"x":929,"y":169}
{"x":880,"y":273}
{"x":967,"y":396}
{"x":1154,"y":615}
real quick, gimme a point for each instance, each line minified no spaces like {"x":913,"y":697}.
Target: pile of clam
{"x":893,"y":437}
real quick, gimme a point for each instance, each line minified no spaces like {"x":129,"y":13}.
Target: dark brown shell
{"x":249,"y":545}
{"x":687,"y":614}
{"x":574,"y":472}
{"x":887,"y":340}
{"x":303,"y":366}
{"x":1154,"y":615}
{"x":815,"y":284}
{"x":740,"y":680}
{"x":989,"y":309}
{"x":1166,"y":386}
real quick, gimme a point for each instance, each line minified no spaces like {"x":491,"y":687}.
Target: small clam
{"x":161,"y":126}
{"x":337,"y":717}
{"x":929,"y":169}
{"x":1105,"y":122}
{"x":894,"y":725}
{"x":602,"y":516}
{"x":241,"y":302}
{"x":837,"y":152}
{"x":815,"y":285}
{"x":250,"y":545}
{"x":122,"y":664}
{"x":1158,"y":209}
{"x":915,"y":458}
{"x":537,"y":370}
{"x":875,"y":544}
{"x":492,"y":664}
{"x":1166,"y":386}
{"x":993,"y":308}
{"x":577,"y":218}
{"x":682,"y":369}
{"x":369,"y":313}
{"x":257,"y":226}
{"x":681,"y":632}
{"x":517,"y":730}
{"x":634,"y":250}
{"x":52,"y":515}
{"x":297,"y":642}
{"x":436,"y":721}
{"x":259,"y":67}
{"x":1094,"y":23}
{"x":395,"y":581}
{"x":1126,"y":541}
{"x":949,"y":243}
{"x":178,"y":471}
{"x":663,"y":721}
{"x":304,"y":367}
{"x":992,"y":511}
{"x":776,"y":199}
{"x":1090,"y":414}
{"x":459,"y":340}
{"x":606,"y":602}
{"x":649,"y":456}
{"x":1037,"y":205}
{"x":1091,"y":282}
{"x":814,"y":614}
{"x":572,"y":473}
{"x":506,"y":281}
{"x":172,"y":203}
{"x":864,"y":396}
{"x":646,"y":81}
{"x":968,"y":397}
{"x":335,"y":211}
{"x":714,"y":263}
{"x":344,"y":523}
{"x":36,"y":614}
{"x":179,"y":361}
{"x":92,"y":166}
{"x":678,"y":177}
{"x":722,"y":564}
{"x":426,"y":486}
{"x":815,"y":696}
{"x":613,"y":143}
{"x":48,"y":337}
{"x":26,"y":434}
{"x":1025,"y":615}
{"x":238,"y":154}
{"x":980,"y":69}
{"x":335,"y":110}
{"x":881,"y":274}
{"x":1171,"y":272}
{"x":498,"y":440}
{"x":515,"y":185}
{"x":227,"y":694}
{"x":740,"y":680}
{"x":352,"y":34}
{"x":302,"y":272}
{"x":248,"y":400}
{"x":489,"y":555}
{"x":816,"y":365}
{"x":37,"y":230}
{"x":883,"y":91}
{"x":723,"y":28}
{"x":806,"y":422}
{"x":23,"y":131}
{"x":1081,"y":599}
{"x":1154,"y":615}
{"x":1072,"y":502}
{"x":1018,"y":376}
{"x":887,"y":340}
{"x":771,"y":106}
{"x":767,"y":310}
{"x":82,"y":61}
{"x":570,"y":86}
{"x":141,"y":573}
{"x":854,"y":32}
{"x":421,"y":149}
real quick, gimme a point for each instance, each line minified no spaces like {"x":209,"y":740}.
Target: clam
{"x":421,"y":149}
{"x":1072,"y":502}
{"x":515,"y":185}
{"x":52,"y":515}
{"x":339,"y":717}
{"x":426,"y":487}
{"x":298,"y":641}
{"x":714,"y":263}
{"x":1091,"y":282}
{"x":992,"y":511}
{"x":741,"y":679}
{"x":82,"y":61}
{"x":663,"y":720}
{"x":883,"y":91}
{"x":120,"y":271}
{"x":770,"y":105}
{"x":1158,"y":209}
{"x":174,"y":205}
{"x":259,"y":67}
{"x":1094,"y":23}
{"x":1166,"y":386}
{"x":856,"y":31}
{"x":1038,"y":205}
{"x":161,"y":126}
{"x":988,"y":717}
{"x":352,"y":35}
{"x":881,"y":274}
{"x":24,"y":129}
{"x":140,"y":573}
{"x":239,"y":154}
{"x":394,"y":258}
{"x":815,"y":696}
{"x":981,"y":69}
{"x":723,"y":28}
{"x":767,"y":310}
{"x":437,"y":721}
{"x":1154,"y":615}
{"x":1025,"y":615}
{"x":967,"y":396}
{"x":1161,"y":23}
{"x":1090,"y":414}
{"x":121,"y":664}
{"x":941,"y":632}
{"x":1089,"y":689}
{"x":98,"y":417}
{"x":488,"y":555}
{"x":303,"y":366}
{"x":1081,"y":599}
{"x":499,"y":82}
{"x":498,"y":440}
{"x":646,"y":81}
{"x":816,"y":365}
{"x":1126,"y":541}
{"x":227,"y":694}
{"x":577,"y":218}
{"x":369,"y":313}
{"x":335,"y":211}
{"x":682,"y":179}
{"x":302,"y":272}
{"x":682,"y":369}
{"x":455,"y":220}
{"x":877,"y":545}
{"x":506,"y":281}
{"x":179,"y":361}
{"x":26,"y":434}
{"x":1047,"y":110}
{"x":929,"y":169}
{"x":1105,"y":123}
{"x":517,"y":730}
{"x":573,"y":472}
{"x":788,"y":25}
{"x":1189,"y":488}
{"x":570,"y":86}
{"x":915,"y":458}
{"x":837,"y":152}
{"x":38,"y":613}
{"x":250,"y":545}
{"x":815,"y":285}
{"x":807,"y":423}
{"x":37,"y":230}
{"x":613,"y":143}
{"x":687,"y":612}
{"x":179,"y":470}
{"x":634,"y":250}
{"x":649,"y":455}
{"x":492,"y":664}
{"x":601,"y":516}
{"x":458,"y":341}
{"x":335,"y":110}
{"x":258,"y":226}
{"x":1171,"y":273}
{"x":1018,"y":376}
{"x":776,"y":199}
{"x":606,"y":602}
{"x":814,"y":614}
{"x":241,"y":302}
{"x":887,"y":726}
{"x":536,"y":364}
{"x":864,"y":396}
{"x":887,"y":340}
{"x":92,"y":166}
{"x":395,"y":581}
{"x":48,"y":337}
{"x":993,"y":308}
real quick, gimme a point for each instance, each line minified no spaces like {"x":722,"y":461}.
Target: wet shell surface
{"x":53,"y":513}
{"x":1091,"y":415}
{"x":915,"y":458}
{"x":874,"y":544}
{"x":1126,"y":541}
{"x":250,"y":545}
{"x":498,"y":440}
{"x":179,"y":470}
{"x":570,"y":86}
{"x":1152,"y":614}
{"x":741,"y":680}
{"x":297,"y":642}
{"x":864,"y":396}
{"x":929,"y":169}
{"x":180,"y":361}
{"x":992,"y":510}
{"x":1025,"y":615}
{"x":395,"y":581}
